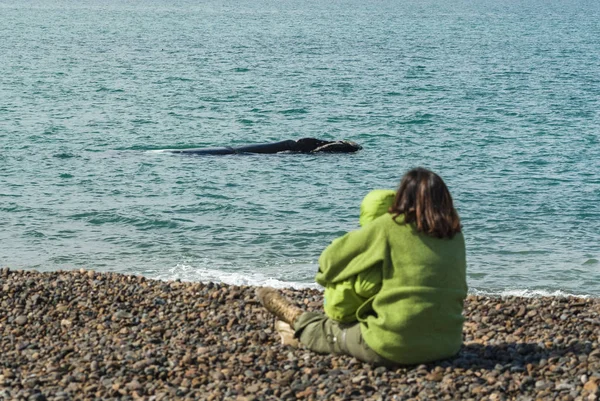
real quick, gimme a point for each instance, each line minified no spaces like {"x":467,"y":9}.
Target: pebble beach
{"x":72,"y":335}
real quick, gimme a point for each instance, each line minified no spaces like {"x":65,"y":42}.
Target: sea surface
{"x":500,"y":97}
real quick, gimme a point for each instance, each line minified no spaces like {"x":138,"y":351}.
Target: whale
{"x":303,"y":145}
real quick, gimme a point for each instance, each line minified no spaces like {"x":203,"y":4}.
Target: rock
{"x":8,"y":374}
{"x":435,"y":376}
{"x":21,"y":320}
{"x":564,"y":386}
{"x":133,"y":386}
{"x":120,"y":315}
{"x":592,"y":385}
{"x":218,"y":376}
{"x":37,"y":397}
{"x":358,"y":379}
{"x":253,"y":388}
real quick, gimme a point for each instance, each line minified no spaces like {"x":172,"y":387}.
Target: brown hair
{"x":424,"y":199}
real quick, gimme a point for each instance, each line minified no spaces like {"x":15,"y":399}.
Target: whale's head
{"x":352,"y":145}
{"x":339,"y":147}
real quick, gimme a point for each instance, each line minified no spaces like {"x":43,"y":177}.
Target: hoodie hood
{"x":375,"y":204}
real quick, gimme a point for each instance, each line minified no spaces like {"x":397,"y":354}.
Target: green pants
{"x":323,"y":335}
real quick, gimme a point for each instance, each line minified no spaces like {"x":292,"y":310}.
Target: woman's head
{"x":424,"y":199}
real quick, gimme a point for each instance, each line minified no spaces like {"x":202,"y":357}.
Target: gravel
{"x":86,"y":335}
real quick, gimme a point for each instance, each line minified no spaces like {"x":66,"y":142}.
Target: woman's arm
{"x":368,"y":283}
{"x":352,"y":254}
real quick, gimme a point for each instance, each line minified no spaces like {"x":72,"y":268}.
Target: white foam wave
{"x":527,"y":293}
{"x":188,"y":273}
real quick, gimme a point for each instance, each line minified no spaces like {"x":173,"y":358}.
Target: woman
{"x":416,"y":316}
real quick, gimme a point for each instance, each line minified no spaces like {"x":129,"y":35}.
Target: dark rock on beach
{"x":86,"y":335}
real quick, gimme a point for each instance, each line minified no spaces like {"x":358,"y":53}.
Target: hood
{"x":375,"y":203}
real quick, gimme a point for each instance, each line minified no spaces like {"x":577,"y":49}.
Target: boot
{"x":275,"y":303}
{"x":287,"y":334}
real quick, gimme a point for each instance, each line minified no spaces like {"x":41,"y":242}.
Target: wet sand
{"x":86,"y":335}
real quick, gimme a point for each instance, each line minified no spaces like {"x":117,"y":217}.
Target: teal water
{"x":500,"y":97}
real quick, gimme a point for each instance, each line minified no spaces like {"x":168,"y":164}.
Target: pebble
{"x":84,"y":334}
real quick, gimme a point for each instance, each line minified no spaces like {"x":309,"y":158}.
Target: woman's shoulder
{"x":389,"y":221}
{"x":386,"y":226}
{"x":380,"y":225}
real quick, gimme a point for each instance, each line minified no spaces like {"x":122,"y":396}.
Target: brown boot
{"x":275,"y":303}
{"x":287,"y":334}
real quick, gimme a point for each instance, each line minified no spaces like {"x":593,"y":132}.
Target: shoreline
{"x":83,"y":334}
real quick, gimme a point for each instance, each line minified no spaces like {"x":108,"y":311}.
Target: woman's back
{"x":417,"y":315}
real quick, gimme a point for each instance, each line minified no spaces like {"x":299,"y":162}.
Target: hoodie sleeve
{"x":368,"y":283}
{"x":352,"y":254}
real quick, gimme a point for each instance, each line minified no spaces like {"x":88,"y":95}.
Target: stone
{"x":435,"y":376}
{"x":37,"y":397}
{"x":8,"y":374}
{"x":592,"y":385}
{"x":120,"y":315}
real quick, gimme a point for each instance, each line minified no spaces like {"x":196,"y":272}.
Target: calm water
{"x":500,"y":97}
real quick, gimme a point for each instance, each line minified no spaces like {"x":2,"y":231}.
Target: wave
{"x":188,"y":273}
{"x":528,"y":293}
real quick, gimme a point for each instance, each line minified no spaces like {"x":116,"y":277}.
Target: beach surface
{"x":85,"y":335}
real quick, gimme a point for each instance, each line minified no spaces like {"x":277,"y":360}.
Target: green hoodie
{"x":342,"y":299}
{"x":416,"y":316}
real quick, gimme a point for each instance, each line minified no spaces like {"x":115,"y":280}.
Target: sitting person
{"x":416,"y":317}
{"x":341,"y":299}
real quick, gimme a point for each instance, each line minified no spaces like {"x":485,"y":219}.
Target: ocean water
{"x":500,"y":97}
